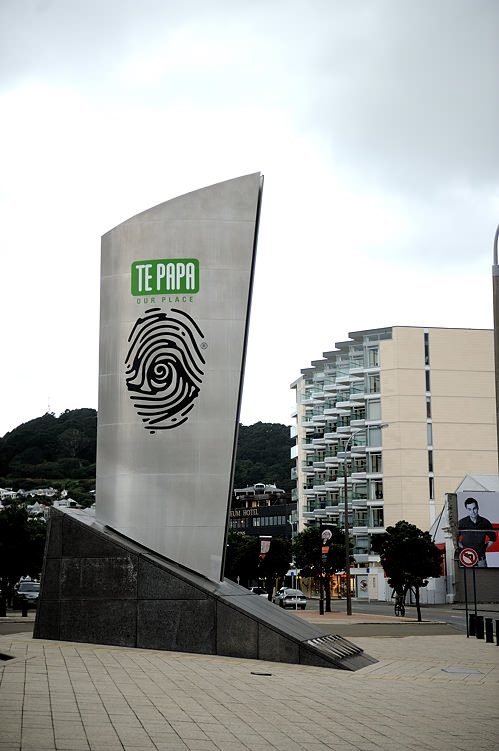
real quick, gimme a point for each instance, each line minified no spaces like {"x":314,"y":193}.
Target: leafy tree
{"x":72,"y":442}
{"x":243,"y":562}
{"x":276,"y":562}
{"x":307,"y":553}
{"x":409,"y":558}
{"x":263,"y":455}
{"x":242,"y":558}
{"x":22,"y":541}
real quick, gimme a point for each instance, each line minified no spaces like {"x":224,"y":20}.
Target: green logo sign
{"x":178,"y":275}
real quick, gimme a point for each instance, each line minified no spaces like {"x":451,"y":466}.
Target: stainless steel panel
{"x":169,"y":488}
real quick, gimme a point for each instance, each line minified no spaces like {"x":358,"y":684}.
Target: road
{"x":437,"y":619}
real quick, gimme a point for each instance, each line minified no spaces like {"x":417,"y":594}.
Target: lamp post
{"x":347,"y":525}
{"x":495,"y":290}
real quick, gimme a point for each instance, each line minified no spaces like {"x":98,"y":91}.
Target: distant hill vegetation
{"x":48,"y":449}
{"x":264,"y":455}
{"x":60,"y":451}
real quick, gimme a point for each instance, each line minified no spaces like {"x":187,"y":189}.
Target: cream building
{"x":412,"y":410}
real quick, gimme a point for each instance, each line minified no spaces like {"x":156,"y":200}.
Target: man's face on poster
{"x":473,"y":511}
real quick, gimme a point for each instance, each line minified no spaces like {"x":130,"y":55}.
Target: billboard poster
{"x":176,"y":285}
{"x":478,"y":527}
{"x":326,"y":536}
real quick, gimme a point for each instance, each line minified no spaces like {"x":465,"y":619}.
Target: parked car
{"x":290,"y":598}
{"x":26,"y":593}
{"x":259,"y":591}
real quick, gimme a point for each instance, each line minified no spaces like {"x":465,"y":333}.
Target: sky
{"x":374,"y":123}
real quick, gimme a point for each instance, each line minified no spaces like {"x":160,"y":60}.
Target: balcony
{"x":334,"y":483}
{"x":361,"y":557}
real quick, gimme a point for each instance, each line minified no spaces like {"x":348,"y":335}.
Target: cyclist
{"x":399,"y":604}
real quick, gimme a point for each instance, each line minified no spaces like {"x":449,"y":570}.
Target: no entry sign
{"x":468,"y":557}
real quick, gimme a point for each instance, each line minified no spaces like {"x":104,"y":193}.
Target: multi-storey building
{"x":404,"y":413}
{"x":263,"y":510}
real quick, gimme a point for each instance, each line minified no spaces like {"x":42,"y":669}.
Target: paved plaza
{"x":438,"y":692}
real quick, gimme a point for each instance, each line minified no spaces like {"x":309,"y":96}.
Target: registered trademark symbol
{"x":204,"y":345}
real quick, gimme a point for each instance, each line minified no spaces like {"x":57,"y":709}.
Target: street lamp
{"x":347,"y":527}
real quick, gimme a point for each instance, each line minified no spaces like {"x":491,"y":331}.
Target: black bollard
{"x":479,"y":626}
{"x":24,"y":610}
{"x":3,"y":607}
{"x":472,"y":624}
{"x":489,"y":631}
{"x":497,"y":633}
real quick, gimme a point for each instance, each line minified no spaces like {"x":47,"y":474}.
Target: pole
{"x":474,"y":590}
{"x":321,"y":584}
{"x":466,"y":601}
{"x":347,"y":531}
{"x":495,"y":290}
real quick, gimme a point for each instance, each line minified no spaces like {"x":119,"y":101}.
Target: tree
{"x":275,"y":564}
{"x":242,"y":558}
{"x":307,"y":553}
{"x":263,"y":455}
{"x":22,"y":541}
{"x":409,"y":558}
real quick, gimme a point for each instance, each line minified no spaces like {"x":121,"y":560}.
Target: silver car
{"x":290,"y":598}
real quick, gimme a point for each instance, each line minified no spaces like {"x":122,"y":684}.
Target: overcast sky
{"x":374,"y":123}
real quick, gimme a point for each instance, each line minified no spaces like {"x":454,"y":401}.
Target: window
{"x":427,"y":378}
{"x":359,"y":490}
{"x":361,"y":545}
{"x":373,"y":408}
{"x":373,"y":383}
{"x":427,"y":348}
{"x":373,"y":357}
{"x":430,"y":461}
{"x":377,"y":517}
{"x":432,"y":488}
{"x":429,"y":434}
{"x":376,"y":490}
{"x":237,"y":523}
{"x":374,"y":436}
{"x":428,"y":407}
{"x":375,"y":463}
{"x":360,"y":519}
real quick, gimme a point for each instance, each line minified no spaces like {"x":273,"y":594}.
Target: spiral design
{"x":164,"y":367}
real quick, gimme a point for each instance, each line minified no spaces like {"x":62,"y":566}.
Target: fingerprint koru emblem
{"x":164,"y":367}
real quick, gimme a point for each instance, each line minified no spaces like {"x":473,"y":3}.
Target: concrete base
{"x":99,"y":587}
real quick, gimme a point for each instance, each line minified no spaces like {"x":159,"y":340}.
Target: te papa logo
{"x":178,"y":276}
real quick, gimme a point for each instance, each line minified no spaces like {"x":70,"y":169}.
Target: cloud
{"x":373,"y":122}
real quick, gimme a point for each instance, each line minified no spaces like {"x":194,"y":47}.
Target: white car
{"x":290,"y":598}
{"x":259,"y":591}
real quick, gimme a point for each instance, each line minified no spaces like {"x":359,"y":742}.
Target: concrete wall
{"x":101,"y":588}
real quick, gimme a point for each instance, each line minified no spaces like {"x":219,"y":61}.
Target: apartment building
{"x":404,"y":413}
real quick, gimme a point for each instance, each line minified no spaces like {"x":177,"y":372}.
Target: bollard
{"x":497,"y":633}
{"x":472,"y":624}
{"x":489,"y":631}
{"x":24,"y":610}
{"x":3,"y":608}
{"x":479,"y":626}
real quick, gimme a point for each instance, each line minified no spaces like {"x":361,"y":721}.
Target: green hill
{"x":60,"y":451}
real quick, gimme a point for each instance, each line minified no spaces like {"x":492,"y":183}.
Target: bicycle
{"x":399,"y":606}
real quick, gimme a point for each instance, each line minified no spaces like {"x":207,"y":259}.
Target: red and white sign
{"x":468,"y":557}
